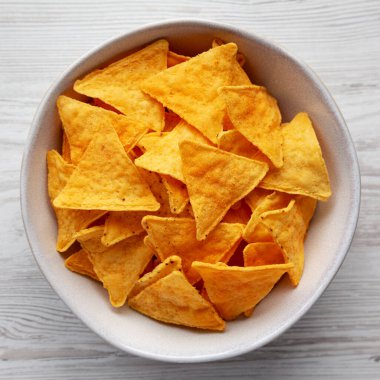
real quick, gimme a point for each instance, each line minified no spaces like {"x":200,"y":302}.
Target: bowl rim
{"x":323,"y":92}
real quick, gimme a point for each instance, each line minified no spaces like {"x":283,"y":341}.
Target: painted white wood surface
{"x":339,"y":338}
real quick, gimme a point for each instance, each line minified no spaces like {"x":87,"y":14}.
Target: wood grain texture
{"x":339,"y":338}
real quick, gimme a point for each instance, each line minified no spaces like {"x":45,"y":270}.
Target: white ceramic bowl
{"x":297,"y":89}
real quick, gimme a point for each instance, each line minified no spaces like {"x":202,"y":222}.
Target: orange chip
{"x":304,"y":171}
{"x":190,"y":89}
{"x":234,"y":290}
{"x":69,"y":221}
{"x":171,"y":264}
{"x":288,"y":228}
{"x":106,"y":179}
{"x":262,"y":254}
{"x":255,"y":114}
{"x":216,"y":180}
{"x":119,"y":84}
{"x":81,"y":121}
{"x":233,"y":141}
{"x":177,"y":194}
{"x":172,"y":299}
{"x":273,"y":201}
{"x":118,"y":267}
{"x":240,"y":215}
{"x":80,"y":263}
{"x":178,"y":236}
{"x":164,"y":156}
{"x":239,"y":56}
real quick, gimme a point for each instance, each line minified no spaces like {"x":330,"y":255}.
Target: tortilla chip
{"x":175,"y":59}
{"x":69,"y":221}
{"x":240,"y":58}
{"x":288,"y":228}
{"x":255,"y":114}
{"x":122,"y":224}
{"x":234,"y":142}
{"x":81,"y":121}
{"x":149,"y":141}
{"x":99,"y":103}
{"x":177,"y":236}
{"x":255,"y":197}
{"x":119,"y":84}
{"x":233,"y":290}
{"x":80,"y":263}
{"x":118,"y":267}
{"x":304,"y":171}
{"x":106,"y":179}
{"x":190,"y":89}
{"x":274,"y":201}
{"x":306,"y":206}
{"x":216,"y":180}
{"x":256,"y":254}
{"x":66,"y":155}
{"x":171,"y":264}
{"x":173,"y":300}
{"x":177,"y":194}
{"x":164,"y":156}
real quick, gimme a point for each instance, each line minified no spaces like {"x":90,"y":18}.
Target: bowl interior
{"x":297,"y":89}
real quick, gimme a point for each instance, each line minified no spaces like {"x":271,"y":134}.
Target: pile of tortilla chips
{"x":180,"y":188}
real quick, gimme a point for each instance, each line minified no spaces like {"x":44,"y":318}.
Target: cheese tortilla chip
{"x":172,"y":263}
{"x":118,"y":267}
{"x":216,"y":180}
{"x":304,"y":171}
{"x":177,"y":194}
{"x":173,"y":300}
{"x":69,"y":221}
{"x":233,"y":290}
{"x":106,"y":179}
{"x":80,"y":263}
{"x":164,"y":156}
{"x":288,"y":228}
{"x":177,"y":236}
{"x":119,"y":84}
{"x":255,"y":114}
{"x":262,"y":254}
{"x":234,"y":142}
{"x":273,"y":201}
{"x":190,"y":89}
{"x":81,"y":121}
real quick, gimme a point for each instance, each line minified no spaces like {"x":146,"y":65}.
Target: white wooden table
{"x":339,"y":338}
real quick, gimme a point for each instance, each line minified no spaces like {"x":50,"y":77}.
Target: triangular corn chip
{"x":288,"y":228}
{"x":118,"y":267}
{"x":80,"y":263}
{"x":81,"y":121}
{"x":177,"y":236}
{"x":164,"y":156}
{"x":234,"y":142}
{"x":273,"y":201}
{"x":233,"y":290}
{"x":304,"y":171}
{"x":216,"y":180}
{"x":306,"y":206}
{"x":119,"y":84}
{"x":190,"y":89}
{"x":240,"y":58}
{"x":172,"y":299}
{"x":255,"y":197}
{"x":177,"y":194}
{"x":262,"y":254}
{"x":120,"y":225}
{"x":169,"y":265}
{"x":255,"y":114}
{"x":106,"y":179}
{"x":69,"y":221}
